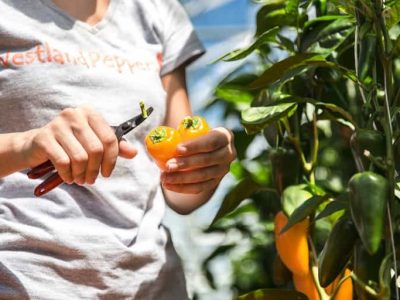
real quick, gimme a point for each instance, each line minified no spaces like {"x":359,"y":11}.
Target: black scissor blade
{"x":131,"y":124}
{"x":139,"y":119}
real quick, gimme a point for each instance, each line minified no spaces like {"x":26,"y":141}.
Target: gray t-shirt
{"x":103,"y":241}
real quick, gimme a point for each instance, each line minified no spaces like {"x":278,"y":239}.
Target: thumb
{"x":126,"y":150}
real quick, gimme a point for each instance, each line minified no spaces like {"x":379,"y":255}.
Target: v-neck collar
{"x":91,"y":28}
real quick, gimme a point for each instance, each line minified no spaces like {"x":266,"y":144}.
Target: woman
{"x":68,"y":70}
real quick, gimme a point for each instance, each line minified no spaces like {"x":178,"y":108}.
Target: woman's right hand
{"x":79,"y":143}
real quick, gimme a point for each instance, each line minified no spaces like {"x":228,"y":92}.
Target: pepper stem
{"x":143,"y":109}
{"x":189,"y":122}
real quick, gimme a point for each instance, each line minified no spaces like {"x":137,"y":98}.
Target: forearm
{"x":186,"y":203}
{"x":11,"y":154}
{"x":204,"y":160}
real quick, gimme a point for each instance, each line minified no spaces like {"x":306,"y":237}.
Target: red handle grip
{"x":41,"y":170}
{"x":46,"y":186}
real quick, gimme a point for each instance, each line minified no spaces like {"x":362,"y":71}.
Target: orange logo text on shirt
{"x":45,"y":54}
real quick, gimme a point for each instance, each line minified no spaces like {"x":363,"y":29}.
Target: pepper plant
{"x":321,"y":85}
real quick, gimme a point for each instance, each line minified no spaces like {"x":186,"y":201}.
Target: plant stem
{"x":386,"y":62}
{"x":315,"y":145}
{"x":366,"y":287}
{"x":314,"y":270}
{"x":396,"y":100}
{"x":143,"y":109}
{"x":342,"y":100}
{"x":388,"y":210}
{"x":314,"y":149}
{"x":374,"y":89}
{"x":295,"y":140}
{"x":356,"y":63}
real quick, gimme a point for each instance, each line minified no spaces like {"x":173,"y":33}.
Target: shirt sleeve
{"x":181,"y":44}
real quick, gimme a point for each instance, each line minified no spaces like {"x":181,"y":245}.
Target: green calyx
{"x":158,"y":135}
{"x":191,"y":123}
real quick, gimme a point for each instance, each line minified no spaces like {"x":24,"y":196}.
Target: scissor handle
{"x":41,"y":170}
{"x":46,"y":186}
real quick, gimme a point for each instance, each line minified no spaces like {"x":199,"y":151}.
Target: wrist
{"x":21,"y":144}
{"x":13,"y":156}
{"x":185,"y":204}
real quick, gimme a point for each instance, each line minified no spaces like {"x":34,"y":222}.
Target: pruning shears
{"x":55,"y":180}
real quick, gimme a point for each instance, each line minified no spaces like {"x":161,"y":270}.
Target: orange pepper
{"x":161,"y":141}
{"x":191,"y":127}
{"x":306,"y":285}
{"x":292,"y":245}
{"x":161,"y":144}
{"x":345,"y":290}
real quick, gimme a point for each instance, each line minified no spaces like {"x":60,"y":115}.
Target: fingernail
{"x":80,"y":180}
{"x":91,"y":181}
{"x":69,"y":181}
{"x":172,"y":166}
{"x":181,"y":149}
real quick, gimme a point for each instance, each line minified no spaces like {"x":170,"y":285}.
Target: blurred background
{"x":296,"y":74}
{"x":222,"y":25}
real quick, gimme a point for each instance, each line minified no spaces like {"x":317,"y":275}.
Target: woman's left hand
{"x":201,"y":163}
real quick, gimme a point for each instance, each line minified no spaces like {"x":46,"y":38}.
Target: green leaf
{"x":286,"y":43}
{"x":392,"y":14}
{"x":337,"y":251}
{"x":263,"y":18}
{"x":273,"y":294}
{"x":324,"y":105}
{"x":292,"y":6}
{"x":315,"y":190}
{"x":368,"y":53}
{"x":294,"y":196}
{"x":237,"y":81}
{"x":284,"y":69}
{"x":319,"y":28}
{"x":336,"y":109}
{"x":254,"y":119}
{"x":242,"y":142}
{"x":349,"y":74}
{"x":385,"y":277}
{"x":326,"y":115}
{"x":396,"y":47}
{"x":266,"y":37}
{"x":308,"y":207}
{"x":277,"y":13}
{"x":331,"y":208}
{"x":345,"y":6}
{"x":233,"y":95}
{"x":243,"y":190}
